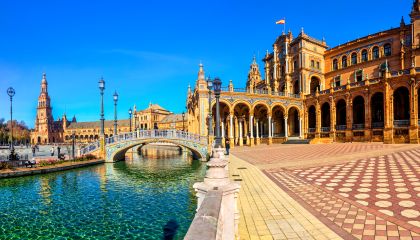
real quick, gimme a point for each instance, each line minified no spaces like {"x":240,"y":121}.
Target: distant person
{"x":227,"y":144}
{"x":52,"y":151}
{"x":58,"y":151}
{"x":33,"y":151}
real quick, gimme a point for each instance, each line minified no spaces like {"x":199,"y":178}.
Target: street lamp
{"x":11,"y":93}
{"x":183,"y":117}
{"x":72,"y":143}
{"x":115,"y":112}
{"x":210,"y":117}
{"x":102,"y":88}
{"x":129,"y":113}
{"x":217,"y":84}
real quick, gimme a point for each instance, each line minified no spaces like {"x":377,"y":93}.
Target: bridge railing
{"x":147,"y":134}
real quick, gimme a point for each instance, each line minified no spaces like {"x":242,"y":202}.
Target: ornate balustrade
{"x":340,"y":127}
{"x":311,"y":130}
{"x":401,"y":123}
{"x":325,"y":129}
{"x":378,"y":125}
{"x":358,"y":126}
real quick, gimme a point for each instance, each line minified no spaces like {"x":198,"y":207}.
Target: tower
{"x":44,"y":119}
{"x":254,"y":76}
{"x":415,"y":24}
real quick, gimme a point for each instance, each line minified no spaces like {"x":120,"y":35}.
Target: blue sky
{"x":150,"y":50}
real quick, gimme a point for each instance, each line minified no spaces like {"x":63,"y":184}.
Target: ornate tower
{"x":415,"y":24}
{"x":254,"y":76}
{"x":44,"y":120}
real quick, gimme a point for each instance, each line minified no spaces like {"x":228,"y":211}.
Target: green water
{"x":133,"y":199}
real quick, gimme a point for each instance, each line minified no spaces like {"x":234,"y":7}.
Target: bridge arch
{"x":117,"y":153}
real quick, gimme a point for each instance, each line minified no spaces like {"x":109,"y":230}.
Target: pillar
{"x":241,"y":140}
{"x":258,"y":134}
{"x":388,"y":128}
{"x":318,"y":120}
{"x":222,"y":126}
{"x":349,"y":122}
{"x":413,"y":132}
{"x":368,"y":130}
{"x":237,"y":131}
{"x":286,"y":128}
{"x":251,"y":130}
{"x":300,"y":128}
{"x":270,"y":137}
{"x":231,"y":140}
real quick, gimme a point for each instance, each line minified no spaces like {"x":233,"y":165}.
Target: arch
{"x":261,"y":113}
{"x":364,"y":55}
{"x":377,"y":110}
{"x":39,"y":140}
{"x":293,"y":121}
{"x":237,"y":102}
{"x":277,"y":112}
{"x":341,"y":114}
{"x":401,"y":106}
{"x":387,"y":50}
{"x":315,"y":84}
{"x":260,"y":102}
{"x":375,"y":52}
{"x":274,"y":105}
{"x":344,"y":62}
{"x":224,"y":101}
{"x":311,"y":118}
{"x":358,"y":112}
{"x":354,"y":58}
{"x":119,"y":153}
{"x":325,"y":117}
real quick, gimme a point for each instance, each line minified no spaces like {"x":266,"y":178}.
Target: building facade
{"x":174,"y":122}
{"x":364,"y":90}
{"x":149,"y":118}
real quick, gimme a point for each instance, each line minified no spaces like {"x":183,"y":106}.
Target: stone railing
{"x":401,"y":123}
{"x":217,"y":216}
{"x":261,"y":91}
{"x":325,"y":129}
{"x":340,"y":127}
{"x":207,"y":218}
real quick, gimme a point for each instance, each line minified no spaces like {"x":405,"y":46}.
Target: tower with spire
{"x":254,"y":76}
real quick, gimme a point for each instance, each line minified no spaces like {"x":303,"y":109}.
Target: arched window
{"x":353,"y":59}
{"x":364,"y":55}
{"x":344,"y":62}
{"x":387,"y":49}
{"x":335,"y":64}
{"x":375,"y":53}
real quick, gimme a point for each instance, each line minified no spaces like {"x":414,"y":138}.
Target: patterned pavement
{"x":367,"y":198}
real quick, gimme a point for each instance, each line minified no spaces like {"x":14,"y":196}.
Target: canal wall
{"x":49,"y":169}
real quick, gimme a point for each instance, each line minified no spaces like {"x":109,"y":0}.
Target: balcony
{"x":340,"y":127}
{"x":377,"y":125}
{"x":401,"y":123}
{"x":359,"y":126}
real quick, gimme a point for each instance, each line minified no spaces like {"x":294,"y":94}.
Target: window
{"x":387,"y":49}
{"x":295,"y":66}
{"x":317,"y":65}
{"x":312,"y":63}
{"x":344,"y":62}
{"x":337,"y":81}
{"x":335,"y":64}
{"x":364,"y":55}
{"x":358,"y":75}
{"x":353,"y":59}
{"x":375,"y":53}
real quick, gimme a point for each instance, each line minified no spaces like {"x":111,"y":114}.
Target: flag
{"x":283,"y":21}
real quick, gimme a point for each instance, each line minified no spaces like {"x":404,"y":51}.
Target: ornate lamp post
{"x":217,"y":84}
{"x":210,"y":117}
{"x":102,"y":88}
{"x":72,"y":143}
{"x":115,"y":112}
{"x":129,"y":113}
{"x":11,"y":93}
{"x":183,"y":117}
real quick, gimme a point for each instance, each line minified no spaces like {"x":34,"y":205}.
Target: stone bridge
{"x":114,"y":148}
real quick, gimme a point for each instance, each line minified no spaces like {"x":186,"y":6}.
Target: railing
{"x":378,"y":125}
{"x":261,"y":91}
{"x":311,"y":130}
{"x":325,"y":129}
{"x":359,"y":126}
{"x":147,"y":134}
{"x":401,"y":123}
{"x":239,"y":89}
{"x":207,"y":222}
{"x":340,"y":127}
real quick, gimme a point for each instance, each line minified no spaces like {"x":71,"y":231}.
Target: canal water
{"x":132,"y":199}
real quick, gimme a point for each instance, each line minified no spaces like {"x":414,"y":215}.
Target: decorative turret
{"x":74,"y":119}
{"x":254,"y":76}
{"x":201,"y":83}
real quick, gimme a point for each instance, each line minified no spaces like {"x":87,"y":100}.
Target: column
{"x":272,"y":128}
{"x":270,"y":137}
{"x":237,"y":131}
{"x":251,"y":130}
{"x":232,"y":143}
{"x":413,"y":132}
{"x":222,"y":132}
{"x":257,"y":129}
{"x":286,"y":128}
{"x":241,"y":140}
{"x":300,"y":128}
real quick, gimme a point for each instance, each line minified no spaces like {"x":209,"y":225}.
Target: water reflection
{"x":141,"y":198}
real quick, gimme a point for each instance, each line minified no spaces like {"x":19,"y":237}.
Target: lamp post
{"x":183,"y":117}
{"x":102,"y":88}
{"x":72,"y":143}
{"x":217,"y":84}
{"x":115,"y":112}
{"x":129,"y":113}
{"x":11,"y":93}
{"x":210,"y":117}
